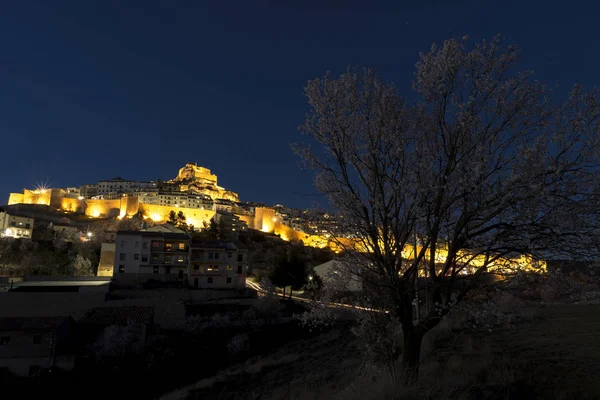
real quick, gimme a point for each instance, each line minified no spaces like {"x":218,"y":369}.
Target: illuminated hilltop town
{"x":194,"y":191}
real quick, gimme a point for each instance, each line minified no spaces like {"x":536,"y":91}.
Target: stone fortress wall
{"x":189,"y":177}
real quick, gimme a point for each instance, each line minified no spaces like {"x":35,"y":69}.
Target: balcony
{"x":175,"y":247}
{"x":175,"y":261}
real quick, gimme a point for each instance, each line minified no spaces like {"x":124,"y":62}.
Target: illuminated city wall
{"x":248,"y":219}
{"x":71,"y":204}
{"x":56,"y":196}
{"x":15,"y":198}
{"x":130,"y":205}
{"x":258,"y":217}
{"x":102,"y":208}
{"x":264,"y":219}
{"x":194,"y":216}
{"x":36,"y":197}
{"x":290,"y":234}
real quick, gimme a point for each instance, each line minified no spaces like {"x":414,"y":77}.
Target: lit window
{"x":121,"y":269}
{"x":181,"y":246}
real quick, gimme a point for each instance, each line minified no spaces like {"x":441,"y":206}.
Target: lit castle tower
{"x":201,"y":180}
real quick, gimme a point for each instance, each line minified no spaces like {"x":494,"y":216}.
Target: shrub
{"x":238,"y":344}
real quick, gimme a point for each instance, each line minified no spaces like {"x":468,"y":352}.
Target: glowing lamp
{"x":155,"y":217}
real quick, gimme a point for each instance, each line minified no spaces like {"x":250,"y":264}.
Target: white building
{"x":177,"y":199}
{"x":334,"y":272}
{"x":217,"y":264}
{"x":15,"y":226}
{"x":116,"y":185}
{"x":150,"y":254}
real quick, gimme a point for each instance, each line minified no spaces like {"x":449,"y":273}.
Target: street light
{"x":89,"y":234}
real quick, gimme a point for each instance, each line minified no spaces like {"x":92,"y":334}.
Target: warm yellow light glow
{"x":95,"y":213}
{"x":80,"y":198}
{"x":8,"y":232}
{"x":155,"y":217}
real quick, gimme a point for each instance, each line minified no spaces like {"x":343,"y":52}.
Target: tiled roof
{"x":118,"y":315}
{"x":204,"y":243}
{"x":30,"y":323}
{"x":163,"y":235}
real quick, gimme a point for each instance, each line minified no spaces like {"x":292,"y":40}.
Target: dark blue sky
{"x":96,"y":89}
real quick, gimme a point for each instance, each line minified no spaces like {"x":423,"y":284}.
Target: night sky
{"x":94,"y":90}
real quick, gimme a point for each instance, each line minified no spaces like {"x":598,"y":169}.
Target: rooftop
{"x":118,"y":315}
{"x":30,"y":323}
{"x":164,"y":235}
{"x":212,"y":244}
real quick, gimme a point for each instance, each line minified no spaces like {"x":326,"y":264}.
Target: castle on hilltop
{"x":194,"y":191}
{"x":197,"y":179}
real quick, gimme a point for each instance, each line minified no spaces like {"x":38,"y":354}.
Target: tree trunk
{"x":284,"y":292}
{"x":411,"y":355}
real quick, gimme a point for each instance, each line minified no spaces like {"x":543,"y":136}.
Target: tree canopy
{"x":485,"y":170}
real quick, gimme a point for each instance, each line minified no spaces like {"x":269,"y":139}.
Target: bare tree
{"x":82,"y":266}
{"x":483,"y":169}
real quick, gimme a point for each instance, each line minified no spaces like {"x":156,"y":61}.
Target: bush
{"x":249,"y":315}
{"x":238,"y":344}
{"x":197,"y":325}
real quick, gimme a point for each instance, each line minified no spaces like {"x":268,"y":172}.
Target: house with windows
{"x":32,"y":344}
{"x":15,"y":226}
{"x":217,"y":264}
{"x":150,"y":254}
